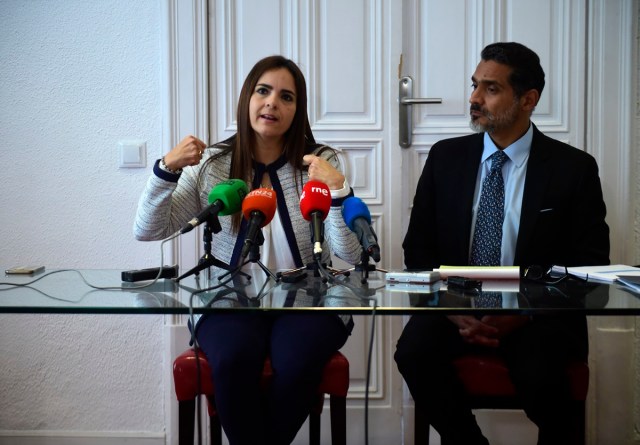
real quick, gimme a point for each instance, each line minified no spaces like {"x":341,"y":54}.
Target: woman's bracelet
{"x":163,"y":166}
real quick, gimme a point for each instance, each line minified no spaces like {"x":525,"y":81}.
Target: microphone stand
{"x":212,"y":225}
{"x":318,"y":268}
{"x":365,"y":266}
{"x":294,"y":275}
{"x":254,"y":257}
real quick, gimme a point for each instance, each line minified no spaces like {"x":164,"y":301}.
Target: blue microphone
{"x":356,"y":214}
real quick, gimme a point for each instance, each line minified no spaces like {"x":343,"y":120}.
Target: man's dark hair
{"x":526,"y":74}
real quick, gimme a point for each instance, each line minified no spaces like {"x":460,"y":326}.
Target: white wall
{"x":78,"y":76}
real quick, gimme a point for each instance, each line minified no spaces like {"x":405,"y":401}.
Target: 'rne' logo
{"x":322,"y":190}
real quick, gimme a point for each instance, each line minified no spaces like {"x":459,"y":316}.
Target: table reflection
{"x":102,"y":291}
{"x":264,"y":292}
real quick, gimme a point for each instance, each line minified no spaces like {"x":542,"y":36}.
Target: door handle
{"x":405,"y":100}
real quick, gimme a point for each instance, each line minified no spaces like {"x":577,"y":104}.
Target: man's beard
{"x":496,"y":122}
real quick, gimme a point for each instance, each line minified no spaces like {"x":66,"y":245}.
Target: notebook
{"x":632,"y":281}
{"x":608,"y":273}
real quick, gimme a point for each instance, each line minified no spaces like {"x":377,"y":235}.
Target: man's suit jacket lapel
{"x":467,"y":186}
{"x":536,"y":182}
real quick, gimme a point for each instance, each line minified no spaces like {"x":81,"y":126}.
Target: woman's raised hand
{"x":188,"y":152}
{"x":321,"y":170}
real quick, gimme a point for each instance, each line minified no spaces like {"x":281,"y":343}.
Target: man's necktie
{"x":487,"y":237}
{"x":491,"y":299}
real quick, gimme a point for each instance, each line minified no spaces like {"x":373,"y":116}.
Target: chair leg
{"x":580,"y":422}
{"x":215,"y":428}
{"x":215,"y":431}
{"x":338,"y":407}
{"x":421,"y":426}
{"x":186,"y":416}
{"x":314,"y":428}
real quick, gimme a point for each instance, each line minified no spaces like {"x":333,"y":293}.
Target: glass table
{"x":103,"y":291}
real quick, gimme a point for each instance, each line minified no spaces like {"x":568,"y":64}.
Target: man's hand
{"x":505,"y":323}
{"x":475,"y":331}
{"x":489,"y":329}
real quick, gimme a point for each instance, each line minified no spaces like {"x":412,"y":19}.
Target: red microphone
{"x":315,"y":203}
{"x":258,"y":207}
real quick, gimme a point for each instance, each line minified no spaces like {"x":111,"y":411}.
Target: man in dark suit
{"x":554,"y":214}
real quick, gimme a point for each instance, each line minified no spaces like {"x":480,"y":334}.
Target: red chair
{"x":486,"y":379}
{"x":335,"y":382}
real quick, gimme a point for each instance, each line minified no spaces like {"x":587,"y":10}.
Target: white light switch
{"x":132,"y":154}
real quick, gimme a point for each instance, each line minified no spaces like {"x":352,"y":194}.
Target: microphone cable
{"x":142,"y":286}
{"x":194,"y":339}
{"x":28,"y":286}
{"x":359,"y":292}
{"x":196,"y":351}
{"x":368,"y":378}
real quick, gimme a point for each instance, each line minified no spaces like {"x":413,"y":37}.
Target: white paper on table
{"x":481,"y":272}
{"x":607,"y":273}
{"x":501,"y":285}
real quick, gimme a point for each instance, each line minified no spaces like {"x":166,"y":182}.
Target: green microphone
{"x":224,"y":199}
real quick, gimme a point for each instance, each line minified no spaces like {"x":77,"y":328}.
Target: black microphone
{"x":356,"y":214}
{"x":224,"y":199}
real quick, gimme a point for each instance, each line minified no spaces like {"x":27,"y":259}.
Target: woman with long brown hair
{"x":273,"y":148}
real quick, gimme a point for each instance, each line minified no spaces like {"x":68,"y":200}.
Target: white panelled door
{"x":354,"y":55}
{"x":345,"y":49}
